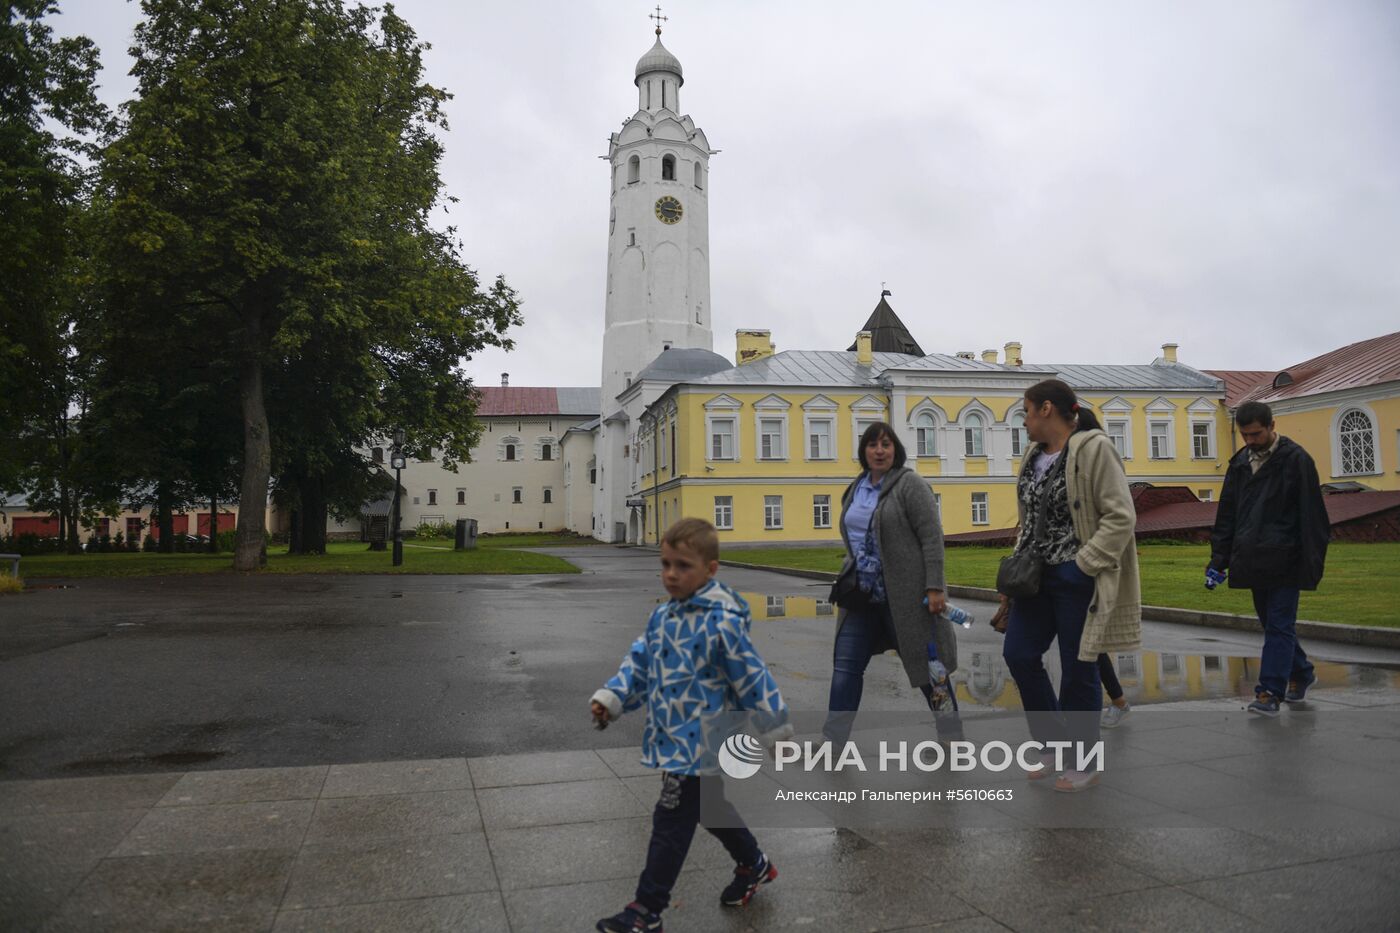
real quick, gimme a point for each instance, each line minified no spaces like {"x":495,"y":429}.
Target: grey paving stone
{"x":1176,"y":856}
{"x":245,"y":785}
{"x":460,"y":913}
{"x":875,"y":892}
{"x":397,"y":777}
{"x":695,"y":906}
{"x":262,"y":825}
{"x":428,"y":866}
{"x":1316,"y":896}
{"x":72,"y":795}
{"x":72,"y":836}
{"x":555,"y":855}
{"x":978,"y":924}
{"x":1185,"y":786}
{"x":1324,"y":831}
{"x":625,"y":762}
{"x":547,"y":804}
{"x":234,"y":891}
{"x":1104,"y":806}
{"x":537,"y":768}
{"x":355,"y":820}
{"x":1188,"y":743}
{"x":31,"y":888}
{"x":1003,"y":873}
{"x":1168,"y":910}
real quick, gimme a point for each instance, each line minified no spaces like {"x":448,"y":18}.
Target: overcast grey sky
{"x":1092,"y":179}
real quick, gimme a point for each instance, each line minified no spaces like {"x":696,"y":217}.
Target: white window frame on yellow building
{"x":928,"y":409}
{"x":722,"y":408}
{"x":1335,"y":436}
{"x":725,"y":523}
{"x":866,"y":410}
{"x":1119,"y":411}
{"x":1161,"y":412}
{"x":817,"y":506}
{"x":767,"y":526}
{"x":772,"y":409}
{"x":1202,"y":412}
{"x":986,"y":504}
{"x":988,"y":418}
{"x":819,"y":410}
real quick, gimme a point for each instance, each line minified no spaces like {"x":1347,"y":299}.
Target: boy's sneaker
{"x":1297,"y":689}
{"x":1113,"y":715}
{"x":634,"y":918}
{"x":1265,"y":704}
{"x":747,"y":880}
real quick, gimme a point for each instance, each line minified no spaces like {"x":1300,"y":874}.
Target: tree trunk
{"x":213,"y":523}
{"x":165,"y":520}
{"x":257,"y":459}
{"x":313,"y":515}
{"x":294,"y":532}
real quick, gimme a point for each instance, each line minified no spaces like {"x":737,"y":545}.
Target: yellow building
{"x":1343,"y":407}
{"x":764,"y":449}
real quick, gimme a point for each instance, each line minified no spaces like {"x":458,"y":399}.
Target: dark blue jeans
{"x":855,"y":646}
{"x":1056,"y":613}
{"x":1284,"y":659}
{"x":673,"y":825}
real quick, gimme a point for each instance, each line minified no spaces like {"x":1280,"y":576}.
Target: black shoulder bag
{"x":1018,"y":576}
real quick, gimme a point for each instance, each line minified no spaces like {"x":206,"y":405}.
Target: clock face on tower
{"x":669,"y":210}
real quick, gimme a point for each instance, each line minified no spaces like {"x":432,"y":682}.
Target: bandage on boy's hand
{"x":600,"y":714}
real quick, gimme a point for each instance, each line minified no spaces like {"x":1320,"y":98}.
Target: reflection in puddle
{"x":1146,"y":676}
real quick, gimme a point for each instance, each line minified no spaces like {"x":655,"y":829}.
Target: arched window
{"x":376,"y":455}
{"x":668,"y":168}
{"x":972,"y":435}
{"x":699,"y":176}
{"x":634,"y":170}
{"x":510,"y":451}
{"x":1356,"y":439}
{"x":1018,"y":433}
{"x":926,"y":433}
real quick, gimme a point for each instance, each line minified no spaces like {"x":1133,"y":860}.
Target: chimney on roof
{"x":966,"y":355}
{"x":1169,"y":352}
{"x":505,"y":379}
{"x":864,"y":355}
{"x":1013,"y":354}
{"x":989,"y":356}
{"x":752,"y":345}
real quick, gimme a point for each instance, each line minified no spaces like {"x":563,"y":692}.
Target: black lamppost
{"x":396,"y":460}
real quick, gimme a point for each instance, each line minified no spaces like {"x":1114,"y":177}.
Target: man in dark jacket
{"x":1271,"y":532}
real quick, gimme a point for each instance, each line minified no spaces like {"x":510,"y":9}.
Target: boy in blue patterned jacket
{"x":693,"y":662}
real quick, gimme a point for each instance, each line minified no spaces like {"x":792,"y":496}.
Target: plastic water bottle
{"x":1214,"y":578}
{"x":940,"y":699}
{"x":955,"y":615}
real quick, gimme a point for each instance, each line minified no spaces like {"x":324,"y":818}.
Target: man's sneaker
{"x":1113,"y":715}
{"x":634,"y":918}
{"x":747,"y":880}
{"x":1265,"y":704}
{"x":1297,"y":689}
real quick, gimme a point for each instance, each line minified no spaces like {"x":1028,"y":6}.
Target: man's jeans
{"x":854,"y":649}
{"x":1057,"y":613}
{"x":673,"y":825}
{"x":1284,"y":659}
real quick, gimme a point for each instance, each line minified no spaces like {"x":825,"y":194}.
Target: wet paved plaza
{"x":364,"y":753}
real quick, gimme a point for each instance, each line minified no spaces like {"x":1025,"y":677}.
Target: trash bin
{"x":466,"y":534}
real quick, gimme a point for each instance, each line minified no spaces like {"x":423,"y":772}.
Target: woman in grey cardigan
{"x":894,"y":562}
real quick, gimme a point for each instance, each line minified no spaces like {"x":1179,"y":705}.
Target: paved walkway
{"x":550,"y":841}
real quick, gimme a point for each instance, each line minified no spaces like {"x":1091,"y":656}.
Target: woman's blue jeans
{"x":1056,"y":613}
{"x":855,"y":646}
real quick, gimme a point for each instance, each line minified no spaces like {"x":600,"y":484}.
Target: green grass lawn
{"x":341,"y":557}
{"x":1361,"y":587}
{"x":542,"y":539}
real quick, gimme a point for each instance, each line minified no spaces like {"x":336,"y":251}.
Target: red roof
{"x":517,"y":400}
{"x":1239,"y":383}
{"x":1366,"y":363}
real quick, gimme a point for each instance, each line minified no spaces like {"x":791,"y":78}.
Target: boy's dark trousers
{"x":673,"y":825}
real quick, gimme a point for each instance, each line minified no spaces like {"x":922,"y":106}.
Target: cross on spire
{"x":659,"y":18}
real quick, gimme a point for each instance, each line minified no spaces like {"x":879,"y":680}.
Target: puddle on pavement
{"x":1146,"y":676}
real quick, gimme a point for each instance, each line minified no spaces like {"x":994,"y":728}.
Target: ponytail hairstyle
{"x":1066,"y":404}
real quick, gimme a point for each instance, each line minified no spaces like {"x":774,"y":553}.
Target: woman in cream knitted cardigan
{"x":1090,"y":599}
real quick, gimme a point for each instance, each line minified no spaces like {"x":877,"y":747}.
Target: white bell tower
{"x":658,"y":289}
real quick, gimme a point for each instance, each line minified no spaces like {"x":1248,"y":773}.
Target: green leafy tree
{"x":272,"y":185}
{"x":48,"y":115}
